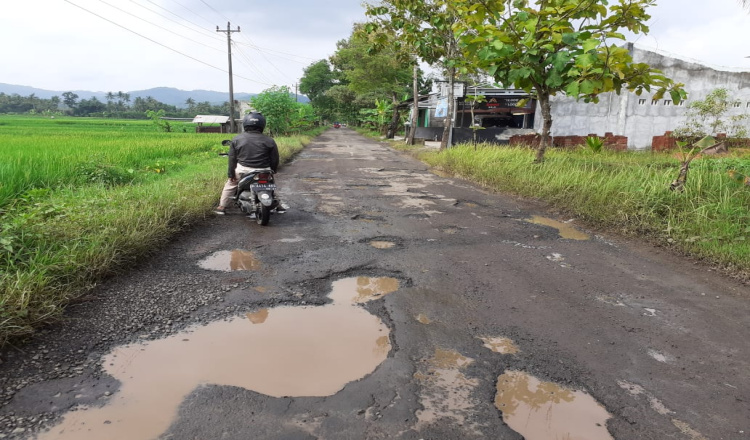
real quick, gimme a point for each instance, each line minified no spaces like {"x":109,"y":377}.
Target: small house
{"x":212,"y":124}
{"x":496,"y":118}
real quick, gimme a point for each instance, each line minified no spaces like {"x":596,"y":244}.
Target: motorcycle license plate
{"x":263,"y":186}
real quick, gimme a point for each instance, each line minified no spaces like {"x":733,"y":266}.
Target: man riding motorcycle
{"x":248,"y":151}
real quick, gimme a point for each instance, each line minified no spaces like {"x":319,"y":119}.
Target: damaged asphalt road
{"x":390,"y":302}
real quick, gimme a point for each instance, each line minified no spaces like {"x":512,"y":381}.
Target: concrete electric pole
{"x":231,"y":84}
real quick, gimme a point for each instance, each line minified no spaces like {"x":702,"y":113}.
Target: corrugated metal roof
{"x":210,"y":119}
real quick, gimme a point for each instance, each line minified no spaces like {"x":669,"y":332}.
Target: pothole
{"x":230,"y":261}
{"x":544,"y":411}
{"x":500,"y":344}
{"x":447,"y":394}
{"x":565,"y":230}
{"x":377,"y":244}
{"x":284,"y":351}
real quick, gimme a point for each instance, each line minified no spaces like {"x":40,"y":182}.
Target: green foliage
{"x":93,"y":204}
{"x":156,"y":118}
{"x":709,"y":117}
{"x":424,"y":28}
{"x":377,"y":117}
{"x":318,"y":78}
{"x":559,"y":46}
{"x":624,"y":191}
{"x":278,"y":106}
{"x":473,"y":101}
{"x":594,"y":144}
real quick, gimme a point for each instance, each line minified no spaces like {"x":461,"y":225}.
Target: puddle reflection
{"x":229,"y":261}
{"x":546,"y":411}
{"x":284,"y":351}
{"x":565,"y":230}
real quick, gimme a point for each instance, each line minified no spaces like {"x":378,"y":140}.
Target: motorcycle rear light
{"x":263,"y":181}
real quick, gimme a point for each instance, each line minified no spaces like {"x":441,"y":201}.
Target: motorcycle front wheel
{"x":262,"y":214}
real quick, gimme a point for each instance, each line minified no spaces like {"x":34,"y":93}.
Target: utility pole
{"x":231,"y":84}
{"x":295,"y":92}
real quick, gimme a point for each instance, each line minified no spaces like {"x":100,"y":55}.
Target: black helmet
{"x":254,"y":121}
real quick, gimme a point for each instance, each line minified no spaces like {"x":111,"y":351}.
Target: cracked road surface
{"x":390,"y":302}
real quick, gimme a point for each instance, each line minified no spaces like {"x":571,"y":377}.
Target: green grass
{"x":84,"y":198}
{"x":626,"y":192}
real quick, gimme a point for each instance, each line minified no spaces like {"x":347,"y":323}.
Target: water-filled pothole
{"x":284,"y":351}
{"x":565,"y":230}
{"x":379,"y":244}
{"x":229,"y":261}
{"x":500,"y":345}
{"x":545,"y":411}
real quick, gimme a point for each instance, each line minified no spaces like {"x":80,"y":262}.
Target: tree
{"x":386,"y":73}
{"x":546,"y":47}
{"x":90,"y":107}
{"x":278,"y":105}
{"x":317,"y":78}
{"x":708,"y":117}
{"x":345,"y":103}
{"x":190,"y":102}
{"x":425,"y":28}
{"x":70,"y":99}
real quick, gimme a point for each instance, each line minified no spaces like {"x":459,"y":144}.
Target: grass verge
{"x":55,"y":244}
{"x":626,"y":192}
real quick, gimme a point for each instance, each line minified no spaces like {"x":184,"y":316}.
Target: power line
{"x":156,"y":25}
{"x":245,"y":59}
{"x":246,"y":38}
{"x":189,"y":10}
{"x":196,"y":29}
{"x":160,"y":44}
{"x":273,"y":52}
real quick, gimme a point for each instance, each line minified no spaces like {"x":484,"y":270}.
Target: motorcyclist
{"x":248,"y":151}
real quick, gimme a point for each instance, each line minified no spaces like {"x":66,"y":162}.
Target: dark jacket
{"x":253,"y":149}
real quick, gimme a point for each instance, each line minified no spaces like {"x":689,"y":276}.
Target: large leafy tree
{"x":546,"y":47}
{"x":278,"y":106}
{"x":383,"y":74}
{"x":424,"y":28}
{"x":317,"y":80}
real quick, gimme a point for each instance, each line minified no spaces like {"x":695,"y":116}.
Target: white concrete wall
{"x":635,"y":116}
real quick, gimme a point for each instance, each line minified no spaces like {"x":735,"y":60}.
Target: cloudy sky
{"x":128,"y":45}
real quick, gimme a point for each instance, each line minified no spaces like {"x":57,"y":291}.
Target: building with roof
{"x":499,"y":116}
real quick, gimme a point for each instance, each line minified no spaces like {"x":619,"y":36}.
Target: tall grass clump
{"x":89,"y":200}
{"x":624,"y":191}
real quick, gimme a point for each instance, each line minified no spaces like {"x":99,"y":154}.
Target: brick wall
{"x":611,"y":141}
{"x":667,"y":142}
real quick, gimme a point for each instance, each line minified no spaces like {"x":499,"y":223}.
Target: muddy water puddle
{"x":500,"y":344}
{"x":565,"y":230}
{"x":230,"y":261}
{"x":546,"y":411}
{"x":377,"y":244}
{"x":284,"y":351}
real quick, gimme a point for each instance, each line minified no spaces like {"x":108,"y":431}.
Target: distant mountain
{"x":166,"y":95}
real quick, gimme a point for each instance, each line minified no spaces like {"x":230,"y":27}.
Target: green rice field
{"x":82,"y":198}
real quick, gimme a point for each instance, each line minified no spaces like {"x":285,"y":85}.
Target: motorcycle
{"x":255,"y":194}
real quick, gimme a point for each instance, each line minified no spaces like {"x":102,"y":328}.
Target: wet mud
{"x":284,"y":351}
{"x":545,"y":411}
{"x":565,"y":230}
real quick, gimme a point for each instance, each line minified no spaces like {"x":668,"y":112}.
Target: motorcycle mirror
{"x":226,"y":142}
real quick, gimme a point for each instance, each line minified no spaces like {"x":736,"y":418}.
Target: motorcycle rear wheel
{"x":262,"y":214}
